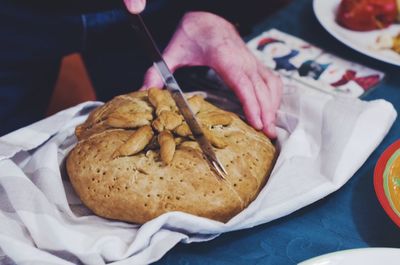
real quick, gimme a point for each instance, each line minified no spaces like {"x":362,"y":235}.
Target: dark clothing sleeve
{"x":36,"y":34}
{"x":240,"y":14}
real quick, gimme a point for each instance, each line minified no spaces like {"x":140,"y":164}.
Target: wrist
{"x":202,"y":22}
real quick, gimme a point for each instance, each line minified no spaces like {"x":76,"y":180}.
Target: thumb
{"x":152,"y":77}
{"x":135,"y":6}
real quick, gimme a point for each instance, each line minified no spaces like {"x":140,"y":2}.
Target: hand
{"x":208,"y":40}
{"x":135,"y":6}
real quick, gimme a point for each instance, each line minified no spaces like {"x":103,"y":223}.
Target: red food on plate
{"x":363,"y":15}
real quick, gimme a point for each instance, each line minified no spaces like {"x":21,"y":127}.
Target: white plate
{"x":361,"y":256}
{"x":364,"y":42}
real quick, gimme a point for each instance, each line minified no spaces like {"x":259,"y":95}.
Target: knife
{"x":173,"y":87}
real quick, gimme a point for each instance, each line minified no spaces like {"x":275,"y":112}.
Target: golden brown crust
{"x":126,"y":120}
{"x":161,"y":100}
{"x":215,"y":118}
{"x":136,"y":142}
{"x":167,"y":120}
{"x":162,"y":172}
{"x":167,"y":146}
{"x":183,"y":130}
{"x":195,"y":103}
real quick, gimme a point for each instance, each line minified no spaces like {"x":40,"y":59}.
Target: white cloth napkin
{"x":323,"y":140}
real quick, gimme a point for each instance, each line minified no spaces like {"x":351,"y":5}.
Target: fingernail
{"x":135,"y":6}
{"x":257,"y":124}
{"x":270,"y":131}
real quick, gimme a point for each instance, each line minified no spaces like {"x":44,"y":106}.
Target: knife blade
{"x":173,"y":87}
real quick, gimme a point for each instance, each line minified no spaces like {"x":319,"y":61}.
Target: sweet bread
{"x":136,"y":159}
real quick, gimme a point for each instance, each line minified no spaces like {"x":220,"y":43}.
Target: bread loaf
{"x":136,"y":159}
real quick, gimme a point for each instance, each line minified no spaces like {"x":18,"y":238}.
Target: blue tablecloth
{"x":349,"y":218}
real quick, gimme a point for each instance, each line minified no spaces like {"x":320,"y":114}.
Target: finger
{"x":152,"y":79}
{"x":244,"y":90}
{"x":144,"y":88}
{"x":270,"y":129}
{"x":267,"y":109}
{"x":172,"y":58}
{"x":274,"y":82}
{"x":135,"y":6}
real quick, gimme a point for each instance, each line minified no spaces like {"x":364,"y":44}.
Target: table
{"x":349,"y":218}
